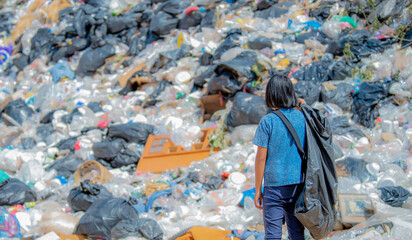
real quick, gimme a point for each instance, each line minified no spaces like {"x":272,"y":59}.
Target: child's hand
{"x":258,"y":200}
{"x":301,"y":101}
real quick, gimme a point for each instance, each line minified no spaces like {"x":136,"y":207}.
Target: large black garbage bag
{"x":67,"y":144}
{"x":80,"y":23}
{"x":264,"y":4}
{"x":108,"y":150}
{"x":259,"y":43}
{"x":21,"y":62}
{"x":394,"y":195}
{"x":226,"y":83}
{"x":316,"y":35}
{"x":191,"y":19}
{"x":241,"y":65}
{"x":93,"y":59}
{"x":131,"y":132}
{"x":204,"y":76}
{"x":162,"y":23}
{"x":223,"y":47}
{"x":13,"y":192}
{"x":272,"y":12}
{"x":209,"y":20}
{"x":316,"y":71}
{"x":308,"y":90}
{"x":246,"y":109}
{"x":340,"y":126}
{"x":173,"y":7}
{"x":361,"y":42}
{"x":341,"y":96}
{"x":44,"y":130}
{"x":78,"y":44}
{"x":138,"y":227}
{"x":321,"y":12}
{"x":316,"y":205}
{"x":18,"y":111}
{"x":366,"y":99}
{"x":120,"y":23}
{"x":103,"y":215}
{"x":40,"y":43}
{"x":65,"y":166}
{"x":82,"y":197}
{"x":125,"y":158}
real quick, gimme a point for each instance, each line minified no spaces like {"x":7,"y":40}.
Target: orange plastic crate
{"x":161,"y":154}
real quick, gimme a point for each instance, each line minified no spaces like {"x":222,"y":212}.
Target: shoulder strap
{"x":292,"y":131}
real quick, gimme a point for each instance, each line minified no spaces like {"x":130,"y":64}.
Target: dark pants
{"x":278,"y":203}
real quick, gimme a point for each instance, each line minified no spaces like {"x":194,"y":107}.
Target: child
{"x":278,"y":161}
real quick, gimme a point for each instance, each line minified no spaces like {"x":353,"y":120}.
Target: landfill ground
{"x":134,"y":119}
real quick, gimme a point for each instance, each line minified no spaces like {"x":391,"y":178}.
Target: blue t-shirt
{"x":283,"y":162}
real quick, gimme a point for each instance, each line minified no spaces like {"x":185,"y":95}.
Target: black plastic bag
{"x":44,"y":130}
{"x":264,"y":4}
{"x":13,"y":192}
{"x":21,"y":62}
{"x":316,"y":71}
{"x":366,"y":99}
{"x":131,"y":132}
{"x":394,"y":195}
{"x":341,"y":96}
{"x":103,"y":215}
{"x":246,"y":109}
{"x":67,"y":143}
{"x":65,"y":166}
{"x":223,"y":47}
{"x":120,"y":23}
{"x":138,"y":227}
{"x":125,"y":158}
{"x":340,"y":126}
{"x":308,"y":90}
{"x":272,"y":12}
{"x":259,"y":43}
{"x":226,"y":83}
{"x":78,"y":44}
{"x":28,"y":143}
{"x":80,"y":23}
{"x":108,"y":150}
{"x":18,"y":111}
{"x":204,"y":76}
{"x":316,"y":35}
{"x":241,"y":65}
{"x":82,"y":197}
{"x":69,"y":117}
{"x":93,"y":59}
{"x":315,"y":207}
{"x":209,"y":20}
{"x":162,"y":23}
{"x":173,"y":7}
{"x":192,"y":19}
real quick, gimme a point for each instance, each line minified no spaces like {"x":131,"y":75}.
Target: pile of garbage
{"x":87,"y":84}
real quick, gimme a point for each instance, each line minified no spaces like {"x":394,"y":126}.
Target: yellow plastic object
{"x":93,"y":171}
{"x":161,"y":154}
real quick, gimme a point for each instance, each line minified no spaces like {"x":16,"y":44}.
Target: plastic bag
{"x":65,"y":166}
{"x":365,"y":101}
{"x":131,"y":132}
{"x":139,"y":227}
{"x":315,"y":207}
{"x":341,"y":95}
{"x":308,"y":90}
{"x":108,"y":150}
{"x":18,"y":111}
{"x":81,"y":198}
{"x":93,"y":59}
{"x":395,"y":196}
{"x":103,"y":215}
{"x":13,"y":192}
{"x":162,"y":23}
{"x":9,"y":225}
{"x":259,"y":43}
{"x":246,"y":109}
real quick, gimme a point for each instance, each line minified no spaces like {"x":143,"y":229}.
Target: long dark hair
{"x":280,"y":93}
